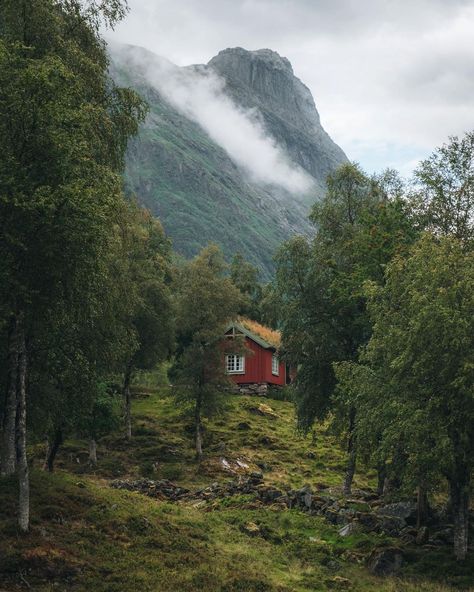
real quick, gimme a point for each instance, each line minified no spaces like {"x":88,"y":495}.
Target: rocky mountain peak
{"x":270,"y":58}
{"x":263,"y":81}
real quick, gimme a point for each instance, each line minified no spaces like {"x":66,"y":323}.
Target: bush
{"x":285,"y":393}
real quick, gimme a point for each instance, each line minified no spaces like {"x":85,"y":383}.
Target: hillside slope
{"x":87,"y":535}
{"x":190,"y":181}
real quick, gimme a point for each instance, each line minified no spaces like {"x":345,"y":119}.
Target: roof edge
{"x":259,"y":340}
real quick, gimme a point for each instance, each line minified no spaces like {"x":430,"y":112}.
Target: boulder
{"x":339,"y":583}
{"x":443,"y":537}
{"x":243,"y":426}
{"x":385,"y":562}
{"x":251,"y":529}
{"x":349,"y":529}
{"x":403,"y":510}
{"x":269,"y":494}
{"x":422,"y":535}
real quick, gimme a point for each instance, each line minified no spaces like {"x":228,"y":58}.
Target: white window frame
{"x":275,"y":365}
{"x":235,"y":364}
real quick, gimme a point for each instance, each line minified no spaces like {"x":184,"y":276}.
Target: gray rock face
{"x":403,"y":510}
{"x":385,"y":562}
{"x":190,"y":182}
{"x":265,"y":81}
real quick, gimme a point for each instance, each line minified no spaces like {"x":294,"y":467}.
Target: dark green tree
{"x":245,"y":277}
{"x":63,"y":133}
{"x":360,"y":226}
{"x":444,"y":191}
{"x":207,"y":301}
{"x":415,"y":379}
{"x":149,"y":316}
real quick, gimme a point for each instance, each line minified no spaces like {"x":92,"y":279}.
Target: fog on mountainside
{"x":231,"y":152}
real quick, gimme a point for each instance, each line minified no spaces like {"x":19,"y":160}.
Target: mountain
{"x":221,"y":146}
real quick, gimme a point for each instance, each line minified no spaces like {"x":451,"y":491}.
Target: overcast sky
{"x":392,"y":79}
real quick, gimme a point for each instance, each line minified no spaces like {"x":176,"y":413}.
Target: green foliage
{"x":145,"y":273}
{"x":444,"y":193}
{"x":245,"y":277}
{"x":207,"y":301}
{"x":63,"y":134}
{"x":360,"y":225}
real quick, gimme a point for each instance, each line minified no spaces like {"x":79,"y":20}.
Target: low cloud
{"x":199,"y":94}
{"x":391,"y":80}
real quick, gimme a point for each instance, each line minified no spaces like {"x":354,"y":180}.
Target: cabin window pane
{"x":235,"y":363}
{"x":275,"y":365}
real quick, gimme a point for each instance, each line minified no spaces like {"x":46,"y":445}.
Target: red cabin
{"x":254,"y":373}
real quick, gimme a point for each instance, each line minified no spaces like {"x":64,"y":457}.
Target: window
{"x":235,"y":364}
{"x":275,"y":365}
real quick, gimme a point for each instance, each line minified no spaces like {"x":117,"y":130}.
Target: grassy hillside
{"x":87,"y":536}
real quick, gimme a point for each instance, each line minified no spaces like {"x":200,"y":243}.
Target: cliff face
{"x":264,"y":80}
{"x":189,"y":181}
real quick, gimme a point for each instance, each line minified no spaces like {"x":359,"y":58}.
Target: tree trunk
{"x":8,"y":461}
{"x":128,"y":401}
{"x":381,"y":475}
{"x":198,"y":428}
{"x":351,"y":449}
{"x":92,"y":452}
{"x":393,"y":481}
{"x":53,"y":448}
{"x":422,"y":506}
{"x":46,"y":456}
{"x":22,"y":463}
{"x":459,"y":499}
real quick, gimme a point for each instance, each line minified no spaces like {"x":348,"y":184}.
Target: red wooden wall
{"x":258,"y":368}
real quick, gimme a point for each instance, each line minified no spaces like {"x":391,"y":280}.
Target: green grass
{"x":86,"y":536}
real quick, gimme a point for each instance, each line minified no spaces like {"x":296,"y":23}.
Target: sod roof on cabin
{"x":264,"y":336}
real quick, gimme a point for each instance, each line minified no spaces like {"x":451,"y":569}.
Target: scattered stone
{"x":263,"y":409}
{"x":251,"y":529}
{"x":339,"y":583}
{"x":403,"y":510}
{"x":349,"y":529}
{"x":443,"y":537}
{"x":243,"y":426}
{"x":269,"y":494}
{"x":385,"y":562}
{"x":422,"y":535}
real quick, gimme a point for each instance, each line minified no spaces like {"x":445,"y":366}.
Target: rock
{"x":348,"y":529}
{"x":331,"y":516}
{"x":307,"y":500}
{"x":251,"y":529}
{"x":339,"y":583}
{"x":310,"y":454}
{"x":443,"y":537}
{"x":243,"y":426}
{"x":404,"y":510}
{"x":422,"y":535}
{"x":391,"y":525}
{"x":367,"y":520}
{"x":264,"y":410}
{"x":266,"y":441}
{"x":385,"y":562}
{"x":331,"y":564}
{"x":269,"y":494}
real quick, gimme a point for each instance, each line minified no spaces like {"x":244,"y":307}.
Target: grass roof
{"x":269,"y":335}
